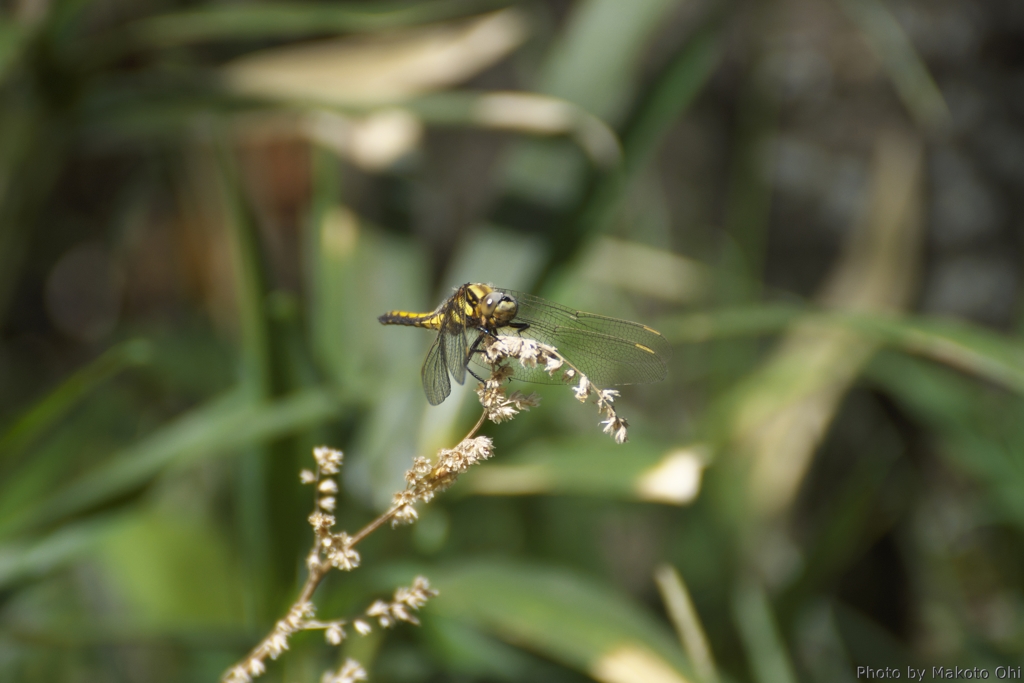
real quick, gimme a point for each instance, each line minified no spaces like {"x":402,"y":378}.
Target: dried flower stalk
{"x":336,"y":550}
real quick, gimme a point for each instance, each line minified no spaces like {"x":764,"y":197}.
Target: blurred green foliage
{"x":205,"y":205}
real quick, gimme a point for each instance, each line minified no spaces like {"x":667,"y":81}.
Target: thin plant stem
{"x":318,"y":571}
{"x":374,"y":525}
{"x":386,"y":516}
{"x":423,"y":480}
{"x":477,"y":426}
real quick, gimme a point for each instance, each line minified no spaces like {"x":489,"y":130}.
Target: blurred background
{"x":205,"y":205}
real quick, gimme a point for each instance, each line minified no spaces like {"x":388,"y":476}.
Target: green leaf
{"x":354,"y":277}
{"x":725,"y":323}
{"x":962,"y":345}
{"x":466,"y":650}
{"x":23,"y":560}
{"x":681,"y":82}
{"x":765,"y":646}
{"x":48,"y":411}
{"x":869,"y":643}
{"x":595,"y":467}
{"x":270,"y":20}
{"x":13,"y":39}
{"x":980,"y":429}
{"x":261,"y":353}
{"x":593,"y":65}
{"x":660,"y":109}
{"x":597,"y":57}
{"x":223,"y":425}
{"x":351,"y":72}
{"x":692,"y":634}
{"x":173,"y":572}
{"x":908,"y":72}
{"x":529,"y":113}
{"x":566,"y":617}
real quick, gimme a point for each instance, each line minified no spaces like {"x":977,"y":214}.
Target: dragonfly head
{"x":497,"y":307}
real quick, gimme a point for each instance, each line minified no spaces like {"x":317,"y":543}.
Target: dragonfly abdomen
{"x":431,"y":320}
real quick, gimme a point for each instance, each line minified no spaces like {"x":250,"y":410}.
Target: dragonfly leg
{"x":519,"y":327}
{"x":484,"y":332}
{"x":475,"y":348}
{"x":478,"y":377}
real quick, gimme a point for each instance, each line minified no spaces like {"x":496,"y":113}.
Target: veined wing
{"x":454,"y":330}
{"x":609,"y":351}
{"x":448,"y":354}
{"x":434,"y":374}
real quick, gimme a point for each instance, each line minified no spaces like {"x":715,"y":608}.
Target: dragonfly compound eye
{"x":488,"y":304}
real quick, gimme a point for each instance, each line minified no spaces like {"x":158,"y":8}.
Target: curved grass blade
{"x":223,"y":425}
{"x":280,"y":20}
{"x":909,"y":74}
{"x":962,"y":345}
{"x":765,"y":646}
{"x":523,"y":112}
{"x":14,"y":38}
{"x":687,"y":623}
{"x":566,"y":617}
{"x":671,"y":95}
{"x":377,"y":70}
{"x":48,"y":411}
{"x":980,"y":429}
{"x":594,"y":467}
{"x":25,"y":560}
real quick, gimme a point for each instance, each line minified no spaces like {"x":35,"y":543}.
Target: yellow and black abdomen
{"x":431,"y":320}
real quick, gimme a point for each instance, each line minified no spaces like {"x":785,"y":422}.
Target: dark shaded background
{"x":817,"y":201}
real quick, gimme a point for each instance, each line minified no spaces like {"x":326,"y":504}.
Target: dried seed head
{"x":328,"y":459}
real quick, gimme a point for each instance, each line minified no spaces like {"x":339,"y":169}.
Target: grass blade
{"x":47,"y":412}
{"x":686,"y":620}
{"x":223,"y":425}
{"x":278,"y":20}
{"x":27,"y":560}
{"x":566,"y":617}
{"x":956,"y":343}
{"x":909,"y":74}
{"x":671,"y":95}
{"x":594,"y":467}
{"x":765,"y":646}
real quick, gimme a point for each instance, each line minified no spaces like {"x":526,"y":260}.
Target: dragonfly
{"x":608,"y":350}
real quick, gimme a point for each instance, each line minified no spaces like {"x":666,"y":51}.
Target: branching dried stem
{"x":336,"y":550}
{"x":533,"y":354}
{"x":330,"y":550}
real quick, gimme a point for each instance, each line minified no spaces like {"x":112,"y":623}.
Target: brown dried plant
{"x":336,"y":549}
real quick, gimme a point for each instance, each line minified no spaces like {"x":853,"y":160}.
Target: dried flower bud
{"x":334,"y":634}
{"x":328,"y":459}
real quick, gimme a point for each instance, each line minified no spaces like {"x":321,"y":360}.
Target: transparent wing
{"x":454,"y":331}
{"x":609,"y":351}
{"x":435,"y":372}
{"x":448,"y":354}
